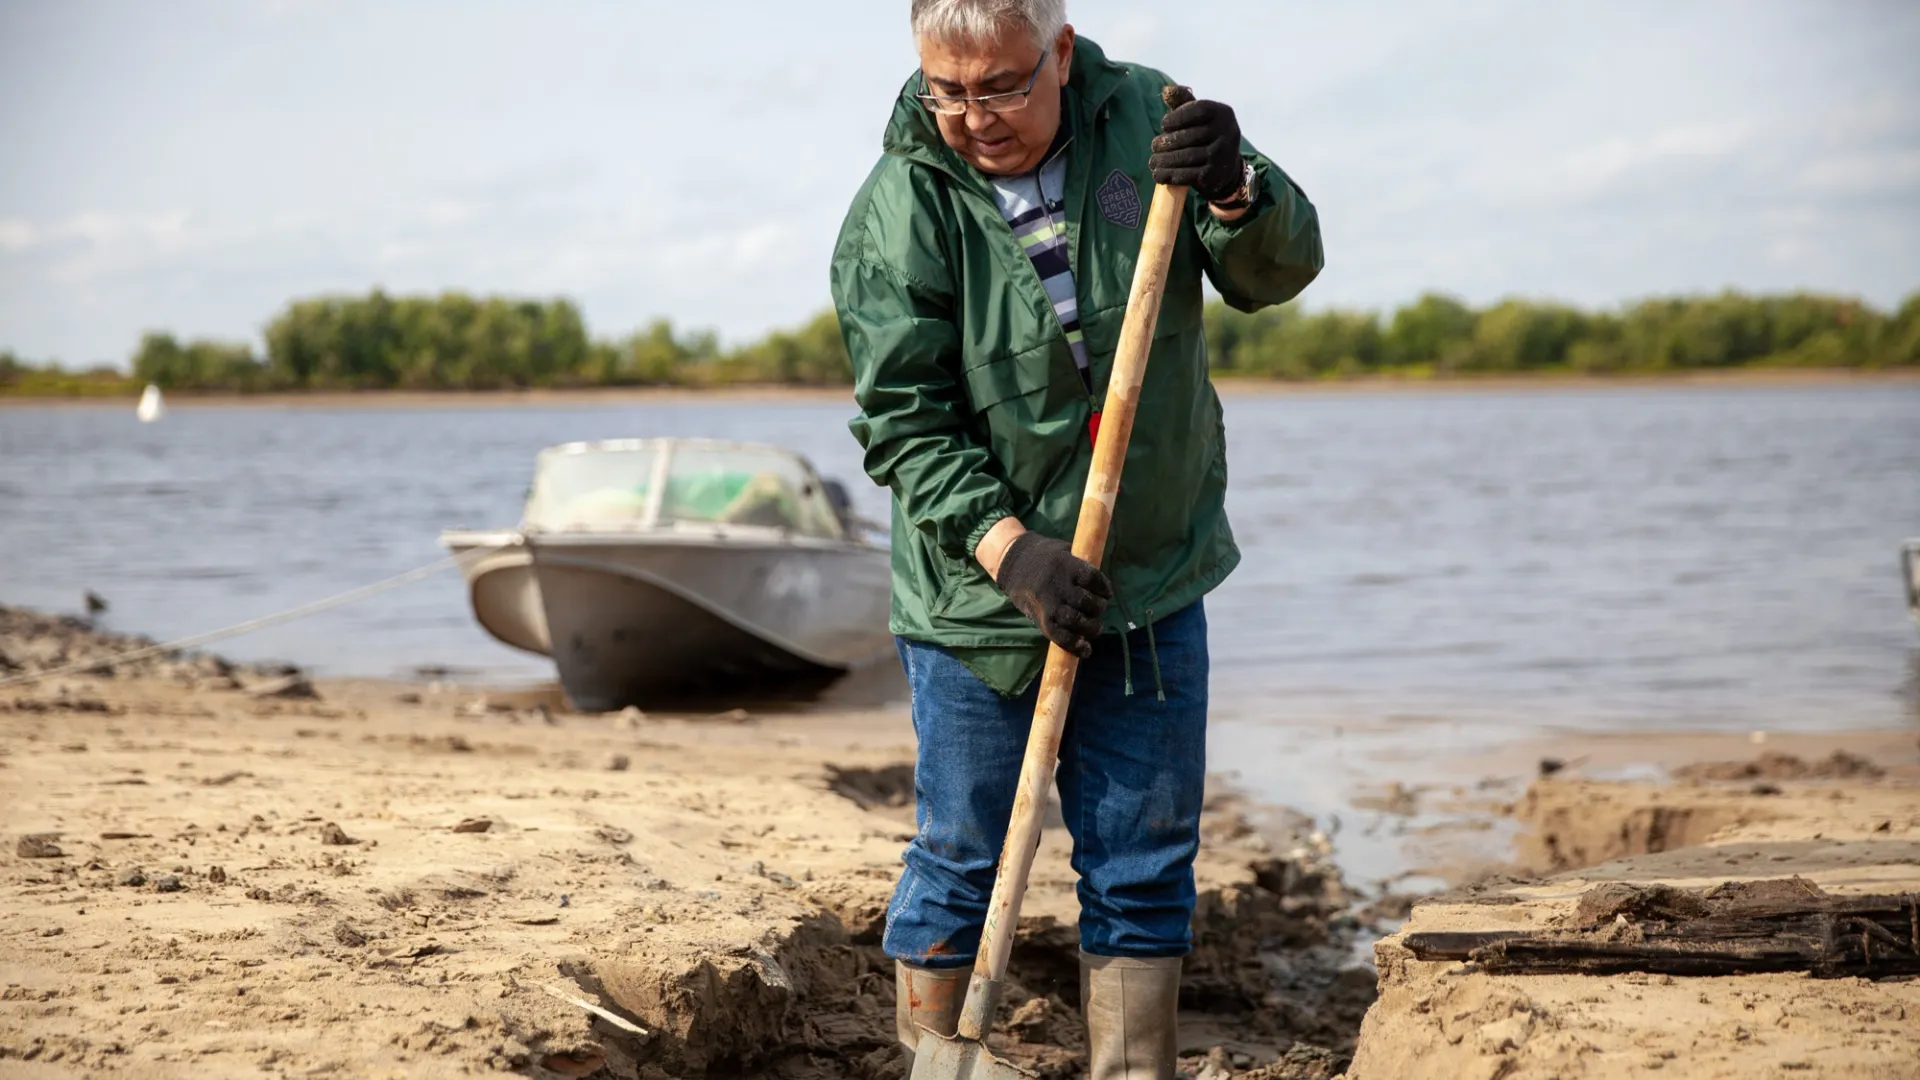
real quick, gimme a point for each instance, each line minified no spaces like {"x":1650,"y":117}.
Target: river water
{"x":1424,"y":572}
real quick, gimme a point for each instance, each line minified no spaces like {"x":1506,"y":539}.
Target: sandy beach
{"x":214,"y":870}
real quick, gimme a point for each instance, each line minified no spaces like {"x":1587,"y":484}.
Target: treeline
{"x":459,"y":342}
{"x":1438,"y":335}
{"x":23,"y":378}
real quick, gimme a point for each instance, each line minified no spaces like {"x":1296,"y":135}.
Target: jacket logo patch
{"x":1120,"y":200}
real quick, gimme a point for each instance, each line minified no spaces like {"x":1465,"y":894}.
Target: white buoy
{"x":151,"y":408}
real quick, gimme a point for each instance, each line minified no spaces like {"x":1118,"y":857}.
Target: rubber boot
{"x":1132,"y":1006}
{"x":927,"y":998}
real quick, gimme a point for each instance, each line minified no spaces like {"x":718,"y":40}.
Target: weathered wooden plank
{"x":1786,"y":925}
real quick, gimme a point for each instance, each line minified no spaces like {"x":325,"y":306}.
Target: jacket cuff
{"x":984,"y":526}
{"x":1263,"y":198}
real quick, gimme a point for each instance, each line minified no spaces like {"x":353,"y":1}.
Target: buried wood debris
{"x":1738,"y":928}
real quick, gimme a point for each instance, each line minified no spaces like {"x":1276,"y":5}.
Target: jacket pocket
{"x":969,"y":600}
{"x":1180,"y":312}
{"x":1181,"y":309}
{"x":1031,"y":411}
{"x":1002,"y":378}
{"x":964,"y":586}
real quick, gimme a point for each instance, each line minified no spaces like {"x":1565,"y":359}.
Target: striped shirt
{"x":1034,"y":204}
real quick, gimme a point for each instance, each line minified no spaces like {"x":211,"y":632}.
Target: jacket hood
{"x":913,"y":134}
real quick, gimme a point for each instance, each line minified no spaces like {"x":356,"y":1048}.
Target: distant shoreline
{"x":1230,"y":386}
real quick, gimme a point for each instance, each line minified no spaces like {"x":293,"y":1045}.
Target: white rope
{"x":250,"y":625}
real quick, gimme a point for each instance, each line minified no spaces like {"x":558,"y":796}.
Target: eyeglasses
{"x":1011,"y":101}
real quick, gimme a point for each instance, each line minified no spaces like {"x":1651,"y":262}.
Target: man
{"x":981,"y":279}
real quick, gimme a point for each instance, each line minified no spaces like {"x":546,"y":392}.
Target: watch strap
{"x":1242,"y":198}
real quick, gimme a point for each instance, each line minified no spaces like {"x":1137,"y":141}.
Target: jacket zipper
{"x":979,"y":190}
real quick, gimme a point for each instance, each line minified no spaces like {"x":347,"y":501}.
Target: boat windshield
{"x":611,"y":489}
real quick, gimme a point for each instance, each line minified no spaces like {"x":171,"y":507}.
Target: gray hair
{"x":974,"y":21}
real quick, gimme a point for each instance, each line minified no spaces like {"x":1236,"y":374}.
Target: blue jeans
{"x":1131,"y":778}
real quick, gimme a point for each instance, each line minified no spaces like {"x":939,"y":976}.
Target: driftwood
{"x":1739,"y":928}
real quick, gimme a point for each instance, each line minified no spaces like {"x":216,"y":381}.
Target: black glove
{"x":1199,"y":146}
{"x":1064,"y":596}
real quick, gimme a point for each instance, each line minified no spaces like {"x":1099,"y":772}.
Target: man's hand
{"x":1063,"y":595}
{"x":1199,"y":146}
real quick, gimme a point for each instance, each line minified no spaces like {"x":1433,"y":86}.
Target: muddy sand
{"x":213,"y":871}
{"x":1841,"y":823}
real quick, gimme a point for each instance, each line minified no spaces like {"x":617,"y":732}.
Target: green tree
{"x":1428,"y":331}
{"x":160,"y":360}
{"x":1515,"y":335}
{"x":200,"y":364}
{"x":814,"y":355}
{"x":449,"y":341}
{"x":1900,"y":340}
{"x":652,"y":357}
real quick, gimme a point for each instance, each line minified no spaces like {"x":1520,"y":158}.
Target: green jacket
{"x":970,"y":406}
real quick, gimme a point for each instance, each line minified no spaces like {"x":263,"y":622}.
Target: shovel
{"x":965,"y":1056}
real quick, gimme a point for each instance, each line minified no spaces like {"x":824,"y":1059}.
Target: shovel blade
{"x":939,"y":1057}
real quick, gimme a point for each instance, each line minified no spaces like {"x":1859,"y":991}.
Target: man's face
{"x":1003,"y":143}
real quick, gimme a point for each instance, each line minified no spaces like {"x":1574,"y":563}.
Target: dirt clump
{"x":888,"y":785}
{"x":1775,"y":765}
{"x":1612,"y":900}
{"x":1300,"y":1062}
{"x":1568,"y":824}
{"x":39,"y":846}
{"x":33,"y":642}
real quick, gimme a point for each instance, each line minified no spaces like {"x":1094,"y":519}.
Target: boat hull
{"x":633,"y":623}
{"x":652,"y":619}
{"x":1910,"y":571}
{"x":502,"y":588}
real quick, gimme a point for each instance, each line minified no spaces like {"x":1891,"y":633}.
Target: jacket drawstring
{"x":1159,"y":691}
{"x":1126,"y":654}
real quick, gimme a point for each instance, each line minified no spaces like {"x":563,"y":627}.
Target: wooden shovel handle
{"x":1089,"y":543}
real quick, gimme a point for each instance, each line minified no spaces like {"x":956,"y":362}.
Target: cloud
{"x":1884,"y":172}
{"x":17,"y":235}
{"x":396,"y":252}
{"x":1131,"y":34}
{"x":1605,"y":162}
{"x":88,"y":246}
{"x":1605,"y":167}
{"x":285,"y":9}
{"x":1594,"y":151}
{"x":447,"y":213}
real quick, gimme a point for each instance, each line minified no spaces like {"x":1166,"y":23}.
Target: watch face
{"x":1247,"y":190}
{"x":1243,"y":197}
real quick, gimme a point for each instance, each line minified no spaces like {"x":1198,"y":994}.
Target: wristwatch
{"x":1242,"y":198}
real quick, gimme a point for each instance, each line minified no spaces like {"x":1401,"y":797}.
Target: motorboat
{"x":659,"y":569}
{"x":1910,"y":571}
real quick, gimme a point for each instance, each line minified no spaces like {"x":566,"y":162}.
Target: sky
{"x":194,"y":165}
